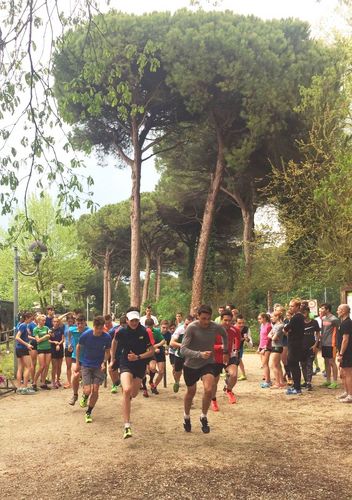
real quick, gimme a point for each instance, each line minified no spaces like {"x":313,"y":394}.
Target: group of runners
{"x":198,"y":348}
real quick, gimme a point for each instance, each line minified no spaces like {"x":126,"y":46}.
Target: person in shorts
{"x":114,"y":371}
{"x":133,"y":347}
{"x":74,"y":334}
{"x":23,"y":348}
{"x":344,"y":345}
{"x":42,"y":335}
{"x":157,"y":363}
{"x":70,"y":321}
{"x":56,"y":340}
{"x":329,"y":329}
{"x":276,"y":335}
{"x":176,"y":343}
{"x":96,"y":350}
{"x":234,"y":346}
{"x":264,"y":348}
{"x":198,"y":350}
{"x":34,"y":351}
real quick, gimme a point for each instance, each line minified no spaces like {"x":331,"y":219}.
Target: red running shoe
{"x":232,"y":397}
{"x":214,"y":405}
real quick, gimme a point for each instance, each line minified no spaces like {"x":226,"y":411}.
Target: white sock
{"x":202,"y":415}
{"x":187,"y":417}
{"x":127,"y":424}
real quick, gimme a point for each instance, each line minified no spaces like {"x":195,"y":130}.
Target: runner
{"x":328,"y":346}
{"x":23,"y":348}
{"x":56,"y":340}
{"x":264,"y":348}
{"x":344,"y":343}
{"x":246,"y":337}
{"x":234,"y":345}
{"x":175,"y":343}
{"x":295,"y":331}
{"x":70,"y":321}
{"x":197,"y":349}
{"x":148,"y":315}
{"x":179,"y":319}
{"x":310,"y":346}
{"x":114,"y":370}
{"x":96,"y":350}
{"x":134,"y":349}
{"x":157,"y":363}
{"x":74,"y":334}
{"x":42,"y":336}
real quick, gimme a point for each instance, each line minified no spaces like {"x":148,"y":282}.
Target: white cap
{"x":132,"y":315}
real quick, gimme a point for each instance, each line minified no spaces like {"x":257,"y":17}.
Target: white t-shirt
{"x":154,"y":318}
{"x":180,"y":330}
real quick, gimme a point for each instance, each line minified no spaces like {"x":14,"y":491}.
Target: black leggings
{"x":307,"y":369}
{"x":296,"y":373}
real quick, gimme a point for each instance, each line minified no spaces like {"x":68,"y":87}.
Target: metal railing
{"x":6,"y":338}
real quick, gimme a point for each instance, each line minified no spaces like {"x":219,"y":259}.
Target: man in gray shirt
{"x":198,"y":350}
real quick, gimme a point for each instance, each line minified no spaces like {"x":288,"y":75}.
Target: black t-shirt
{"x":295,"y":330}
{"x":345,"y":329}
{"x":309,"y":333}
{"x":129,"y":340}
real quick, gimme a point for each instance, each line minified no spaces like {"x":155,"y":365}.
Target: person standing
{"x":56,"y":340}
{"x":328,"y":346}
{"x":344,"y":345}
{"x":198,"y":350}
{"x":310,"y":346}
{"x":134,"y":350}
{"x":42,"y":336}
{"x":295,"y":335}
{"x":23,"y":349}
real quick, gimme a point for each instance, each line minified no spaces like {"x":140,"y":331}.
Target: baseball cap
{"x":132,"y":315}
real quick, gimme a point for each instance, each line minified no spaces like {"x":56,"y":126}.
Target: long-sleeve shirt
{"x":197,"y":339}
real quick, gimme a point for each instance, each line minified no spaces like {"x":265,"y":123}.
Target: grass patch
{"x":6,"y":361}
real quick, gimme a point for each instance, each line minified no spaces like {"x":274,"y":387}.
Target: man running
{"x":198,"y":351}
{"x":234,"y":345}
{"x":135,"y":349}
{"x":148,"y":315}
{"x":96,"y":344}
{"x":176,"y":343}
{"x":74,"y":334}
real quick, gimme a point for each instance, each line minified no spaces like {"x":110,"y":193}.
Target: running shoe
{"x":342,"y":396}
{"x":326,"y":383}
{"x":73,"y":399}
{"x":127,"y":433}
{"x":231,"y":397}
{"x":309,"y":387}
{"x":214,"y":406}
{"x":145,"y":393}
{"x":88,"y":418}
{"x":333,"y":385}
{"x":114,"y":389}
{"x":83,"y":401}
{"x":56,"y":385}
{"x":304,"y":385}
{"x":20,"y":390}
{"x":29,"y":390}
{"x":45,"y":387}
{"x":347,"y":399}
{"x":187,"y":424}
{"x":265,"y":385}
{"x":155,"y":390}
{"x":176,"y":386}
{"x":293,"y":392}
{"x":242,"y":377}
{"x":34,"y":387}
{"x":205,"y":425}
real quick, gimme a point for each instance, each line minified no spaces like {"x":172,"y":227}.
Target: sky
{"x":112,"y":184}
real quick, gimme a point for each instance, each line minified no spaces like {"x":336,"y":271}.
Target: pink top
{"x":264,"y":340}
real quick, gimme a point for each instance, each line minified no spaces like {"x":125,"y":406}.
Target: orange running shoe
{"x":214,"y":405}
{"x":232,"y":397}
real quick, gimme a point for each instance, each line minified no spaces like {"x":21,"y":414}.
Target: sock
{"x":90,"y":409}
{"x":151,"y":376}
{"x":127,"y":425}
{"x":144,"y":382}
{"x":186,"y":417}
{"x":202,"y":415}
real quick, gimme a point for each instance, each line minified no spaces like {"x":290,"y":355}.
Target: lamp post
{"x":37,"y":248}
{"x":90,"y":301}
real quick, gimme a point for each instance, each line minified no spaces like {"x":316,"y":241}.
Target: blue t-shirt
{"x":49,"y":322}
{"x":94,"y":348}
{"x":23,"y":328}
{"x":57,"y":334}
{"x":66,"y":329}
{"x":75,"y":336}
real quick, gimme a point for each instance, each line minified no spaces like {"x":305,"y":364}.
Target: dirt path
{"x":266,"y":446}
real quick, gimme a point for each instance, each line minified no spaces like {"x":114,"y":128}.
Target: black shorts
{"x":34,"y":344}
{"x":328,"y":352}
{"x":172,"y":358}
{"x":192,"y":375}
{"x":68,"y":354}
{"x":57,"y":354}
{"x":235,"y":360}
{"x":346,"y":361}
{"x":278,"y":350}
{"x":160,"y":356}
{"x":218,"y":368}
{"x":20,"y":353}
{"x":138,"y":371}
{"x":179,"y":362}
{"x":44,"y":351}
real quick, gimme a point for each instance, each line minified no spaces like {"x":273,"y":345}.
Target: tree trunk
{"x":145,"y":293}
{"x":135,"y":218}
{"x":107,"y":282}
{"x":158,"y":277}
{"x":208,"y":217}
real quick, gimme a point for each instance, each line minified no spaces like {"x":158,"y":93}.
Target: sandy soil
{"x":266,"y":446}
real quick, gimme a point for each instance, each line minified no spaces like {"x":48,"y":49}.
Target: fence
{"x":6,"y":338}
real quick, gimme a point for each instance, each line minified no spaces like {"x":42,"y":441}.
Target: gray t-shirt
{"x":197,"y":339}
{"x":277,"y":330}
{"x":329,"y":330}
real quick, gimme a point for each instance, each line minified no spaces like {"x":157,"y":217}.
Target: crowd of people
{"x":134,"y":353}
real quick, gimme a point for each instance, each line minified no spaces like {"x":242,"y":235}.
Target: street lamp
{"x":90,"y":302}
{"x":37,"y":248}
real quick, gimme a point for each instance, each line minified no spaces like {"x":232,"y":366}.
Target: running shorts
{"x":192,"y":375}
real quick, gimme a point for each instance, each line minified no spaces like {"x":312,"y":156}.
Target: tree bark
{"x":135,"y":218}
{"x":208,"y":217}
{"x":145,"y":293}
{"x":107,"y":281}
{"x":158,"y":277}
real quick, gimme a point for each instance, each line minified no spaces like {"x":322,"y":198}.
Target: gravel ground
{"x":265,"y":446}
